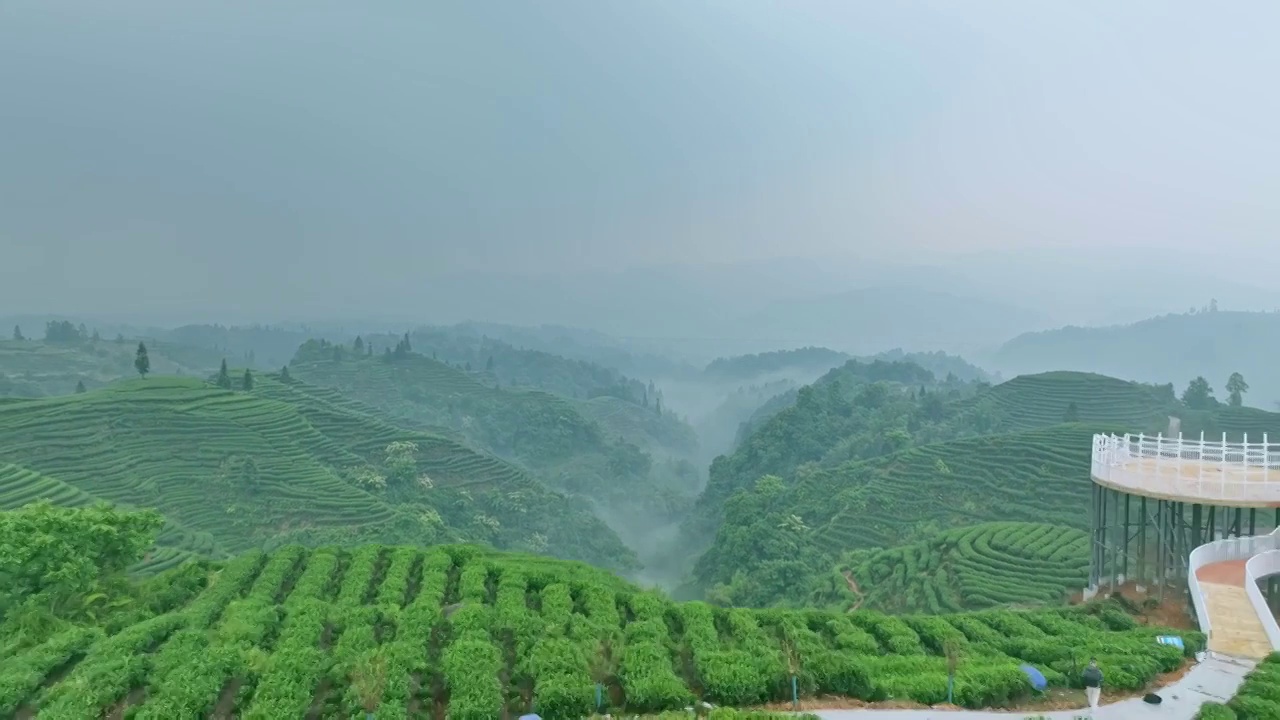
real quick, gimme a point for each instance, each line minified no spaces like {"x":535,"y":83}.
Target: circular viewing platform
{"x":1199,"y":471}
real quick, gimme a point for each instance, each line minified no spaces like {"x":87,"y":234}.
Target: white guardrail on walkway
{"x":1258,"y":568}
{"x":1239,"y":548}
{"x":1179,"y":467}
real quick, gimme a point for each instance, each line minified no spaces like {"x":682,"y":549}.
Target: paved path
{"x":1211,"y":679}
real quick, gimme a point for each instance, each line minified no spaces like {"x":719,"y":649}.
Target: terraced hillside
{"x":1034,"y":401}
{"x":800,"y":527}
{"x":246,"y":469}
{"x":539,"y":431}
{"x":402,"y":632}
{"x":35,"y":368}
{"x":970,"y":568}
{"x":20,"y":486}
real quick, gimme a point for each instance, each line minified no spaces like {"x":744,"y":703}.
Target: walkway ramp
{"x":1237,"y":630}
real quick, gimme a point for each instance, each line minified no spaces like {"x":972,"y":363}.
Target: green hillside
{"x":969,"y":568}
{"x":857,"y":411}
{"x":469,"y":634}
{"x":778,"y":533}
{"x":660,"y":435}
{"x":250,"y":469}
{"x":539,"y":431}
{"x":36,"y":368}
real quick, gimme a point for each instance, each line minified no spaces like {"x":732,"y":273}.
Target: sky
{"x":269,"y":157}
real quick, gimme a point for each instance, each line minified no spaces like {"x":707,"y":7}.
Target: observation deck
{"x":1208,"y":472}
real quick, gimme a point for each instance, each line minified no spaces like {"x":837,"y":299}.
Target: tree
{"x":488,"y":365}
{"x":56,"y":553}
{"x":96,"y":337}
{"x":17,"y":333}
{"x":119,"y":338}
{"x":224,"y":378}
{"x":1072,"y":414}
{"x":141,"y":362}
{"x":1236,"y":388}
{"x":80,"y":387}
{"x":359,"y":344}
{"x":401,"y":460}
{"x":248,"y":380}
{"x":1198,"y":395}
{"x":284,"y":374}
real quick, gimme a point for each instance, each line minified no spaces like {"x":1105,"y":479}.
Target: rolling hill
{"x":453,"y":631}
{"x":285,"y":463}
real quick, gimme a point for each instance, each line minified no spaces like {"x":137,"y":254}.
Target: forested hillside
{"x":539,"y":431}
{"x":233,"y":470}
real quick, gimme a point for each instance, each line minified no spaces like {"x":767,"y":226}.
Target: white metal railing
{"x":1238,"y":548}
{"x":1258,"y":568}
{"x":1203,"y":469}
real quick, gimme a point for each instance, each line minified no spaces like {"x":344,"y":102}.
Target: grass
{"x":468,"y":633}
{"x":248,"y":469}
{"x":973,"y":568}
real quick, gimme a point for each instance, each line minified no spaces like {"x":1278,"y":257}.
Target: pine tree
{"x":141,"y":362}
{"x":284,"y":374}
{"x":17,"y":333}
{"x":248,"y":380}
{"x":80,"y":387}
{"x":488,"y":365}
{"x":119,"y":338}
{"x":224,"y":378}
{"x":359,"y":344}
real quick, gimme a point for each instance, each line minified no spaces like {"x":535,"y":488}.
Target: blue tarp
{"x":1035,"y":676}
{"x":1173,"y":640}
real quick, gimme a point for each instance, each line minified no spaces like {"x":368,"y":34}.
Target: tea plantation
{"x":975,"y":567}
{"x":231,"y":471}
{"x":409,"y":632}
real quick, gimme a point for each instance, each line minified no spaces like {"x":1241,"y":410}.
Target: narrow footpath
{"x":1211,"y":680}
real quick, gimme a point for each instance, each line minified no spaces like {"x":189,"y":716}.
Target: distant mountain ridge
{"x":1174,"y":347}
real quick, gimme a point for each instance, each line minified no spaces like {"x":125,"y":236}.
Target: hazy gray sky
{"x":274,"y":152}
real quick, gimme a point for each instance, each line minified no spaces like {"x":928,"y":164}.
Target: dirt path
{"x":853,"y":588}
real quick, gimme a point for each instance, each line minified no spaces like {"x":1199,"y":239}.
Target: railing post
{"x":1160,"y":454}
{"x":1243,"y":482}
{"x":1222,"y":466}
{"x":1266,"y":465}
